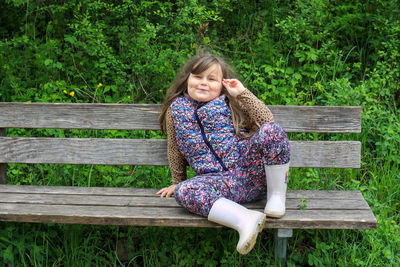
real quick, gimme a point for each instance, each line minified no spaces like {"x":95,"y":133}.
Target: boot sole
{"x":252,"y":241}
{"x":274,"y":215}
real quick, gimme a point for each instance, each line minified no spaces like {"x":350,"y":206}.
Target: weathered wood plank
{"x":325,"y":154}
{"x":77,"y":190}
{"x":151,"y":192}
{"x":156,"y":201}
{"x":144,"y":116}
{"x":325,"y":219}
{"x":84,"y":151}
{"x":145,"y":216}
{"x":3,"y":167}
{"x":329,"y":194}
{"x":326,"y":204}
{"x":318,"y":118}
{"x":79,"y":116}
{"x":316,"y":204}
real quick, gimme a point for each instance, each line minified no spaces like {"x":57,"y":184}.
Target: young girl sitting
{"x":228,"y":137}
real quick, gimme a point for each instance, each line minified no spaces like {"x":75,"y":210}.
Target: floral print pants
{"x":245,"y":183}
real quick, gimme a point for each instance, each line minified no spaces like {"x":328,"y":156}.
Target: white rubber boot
{"x":277,"y":178}
{"x":247,"y":222}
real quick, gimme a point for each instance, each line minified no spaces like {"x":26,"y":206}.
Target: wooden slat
{"x":329,"y":154}
{"x":140,"y":206}
{"x":152,"y":216}
{"x":77,"y":190}
{"x":144,"y":116}
{"x":79,"y":116}
{"x":150,"y":192}
{"x":325,"y":219}
{"x":325,"y":154}
{"x":156,"y":201}
{"x":84,"y":151}
{"x":334,"y":119}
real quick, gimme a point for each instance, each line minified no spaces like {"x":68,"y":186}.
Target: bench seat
{"x":141,"y":206}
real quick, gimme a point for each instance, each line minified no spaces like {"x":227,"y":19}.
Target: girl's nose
{"x":203,"y":81}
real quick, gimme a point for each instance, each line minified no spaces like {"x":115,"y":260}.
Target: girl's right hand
{"x":233,"y":86}
{"x":167,"y":191}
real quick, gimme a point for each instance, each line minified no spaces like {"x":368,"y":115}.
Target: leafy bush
{"x":314,"y":52}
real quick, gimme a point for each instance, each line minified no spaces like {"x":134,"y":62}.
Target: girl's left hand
{"x":234,"y":86}
{"x":167,"y":191}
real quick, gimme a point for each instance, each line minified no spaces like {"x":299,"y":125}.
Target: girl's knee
{"x":272,"y":128}
{"x":185,"y":191}
{"x":179,"y":192}
{"x":276,"y":142}
{"x":193,"y":196}
{"x":272,"y":131}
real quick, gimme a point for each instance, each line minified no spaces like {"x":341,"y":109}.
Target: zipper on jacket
{"x":208,"y":143}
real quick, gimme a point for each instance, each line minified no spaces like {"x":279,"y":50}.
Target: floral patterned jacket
{"x":256,"y":111}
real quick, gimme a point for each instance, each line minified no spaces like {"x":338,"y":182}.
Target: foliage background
{"x":310,"y":52}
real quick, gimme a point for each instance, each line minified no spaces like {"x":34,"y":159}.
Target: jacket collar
{"x":198,"y":104}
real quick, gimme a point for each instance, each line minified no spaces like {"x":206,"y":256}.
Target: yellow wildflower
{"x":100,"y":85}
{"x":65,"y":92}
{"x":72,"y":93}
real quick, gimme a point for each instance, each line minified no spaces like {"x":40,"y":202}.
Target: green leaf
{"x":48,"y":62}
{"x":70,"y":39}
{"x":289,"y":70}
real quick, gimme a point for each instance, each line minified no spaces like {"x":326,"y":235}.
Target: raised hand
{"x":234,"y":86}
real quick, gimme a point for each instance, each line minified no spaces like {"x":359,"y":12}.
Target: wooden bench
{"x":142,"y":207}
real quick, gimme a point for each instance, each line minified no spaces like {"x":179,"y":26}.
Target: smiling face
{"x":207,"y":85}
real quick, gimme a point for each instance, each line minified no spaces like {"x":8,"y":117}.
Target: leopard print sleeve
{"x":177,"y":162}
{"x":254,"y":107}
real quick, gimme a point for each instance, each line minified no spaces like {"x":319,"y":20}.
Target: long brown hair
{"x":196,"y":65}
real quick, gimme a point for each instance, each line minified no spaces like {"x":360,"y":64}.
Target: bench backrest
{"x":322,"y":119}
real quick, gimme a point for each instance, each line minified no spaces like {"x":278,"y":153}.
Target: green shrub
{"x":314,"y":52}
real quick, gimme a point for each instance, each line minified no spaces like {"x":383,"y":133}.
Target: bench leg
{"x":280,"y":242}
{"x":3,"y":171}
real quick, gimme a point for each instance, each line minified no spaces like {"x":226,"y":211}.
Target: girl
{"x":220,"y":129}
